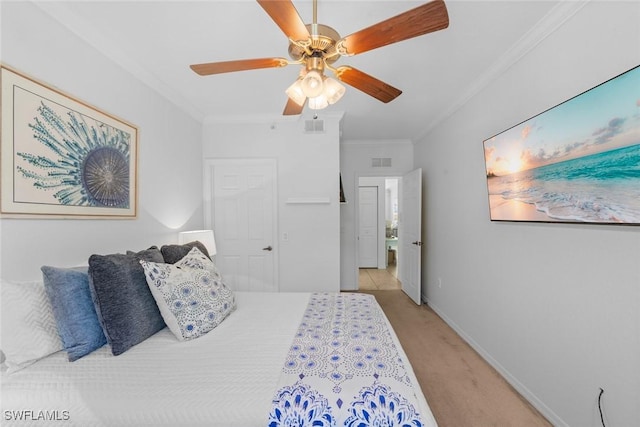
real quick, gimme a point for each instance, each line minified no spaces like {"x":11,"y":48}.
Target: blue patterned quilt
{"x":344,"y":369}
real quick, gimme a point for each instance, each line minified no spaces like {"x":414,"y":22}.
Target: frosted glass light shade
{"x":312,"y":85}
{"x":333,"y":90}
{"x":319,"y":102}
{"x":295,"y":92}
{"x":203,"y":236}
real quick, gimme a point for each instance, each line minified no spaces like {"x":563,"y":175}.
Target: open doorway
{"x":378,"y":249}
{"x":391,"y":224}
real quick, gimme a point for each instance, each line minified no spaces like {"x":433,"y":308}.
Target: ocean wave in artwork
{"x":602,"y":187}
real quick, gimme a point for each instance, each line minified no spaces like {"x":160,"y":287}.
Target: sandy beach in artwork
{"x":514,"y":210}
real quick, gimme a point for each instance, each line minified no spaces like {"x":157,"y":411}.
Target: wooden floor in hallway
{"x":374,"y":279}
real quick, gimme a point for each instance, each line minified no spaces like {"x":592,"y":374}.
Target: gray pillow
{"x":174,"y":253}
{"x":125,"y":306}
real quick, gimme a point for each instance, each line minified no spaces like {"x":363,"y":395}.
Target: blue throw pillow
{"x":126,"y":309}
{"x":76,"y":318}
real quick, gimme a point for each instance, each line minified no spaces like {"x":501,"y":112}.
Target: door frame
{"x":207,"y":190}
{"x":357,"y":176}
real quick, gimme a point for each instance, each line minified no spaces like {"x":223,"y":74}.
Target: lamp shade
{"x":203,"y":236}
{"x":319,"y":102}
{"x":333,"y":90}
{"x":295,"y":92}
{"x":312,"y":85}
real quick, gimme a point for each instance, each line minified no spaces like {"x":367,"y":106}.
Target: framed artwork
{"x":61,"y":157}
{"x":578,"y":162}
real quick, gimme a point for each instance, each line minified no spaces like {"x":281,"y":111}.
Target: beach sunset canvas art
{"x":576,"y":162}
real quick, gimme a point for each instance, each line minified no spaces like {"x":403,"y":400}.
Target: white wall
{"x":556,"y":308}
{"x":355,"y":161}
{"x":308,"y":167}
{"x":169,"y":187}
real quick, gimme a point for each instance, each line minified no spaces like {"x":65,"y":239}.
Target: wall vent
{"x":381,"y":162}
{"x":314,"y":126}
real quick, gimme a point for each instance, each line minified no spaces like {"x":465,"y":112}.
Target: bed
{"x":276,"y":359}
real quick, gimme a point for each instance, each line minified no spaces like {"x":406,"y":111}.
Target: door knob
{"x":417,"y":243}
{"x":268,"y":248}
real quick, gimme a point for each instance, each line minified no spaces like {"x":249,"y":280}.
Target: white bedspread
{"x":226,"y":378}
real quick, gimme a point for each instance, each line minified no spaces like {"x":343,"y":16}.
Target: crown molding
{"x":375,"y":142}
{"x":553,"y":20}
{"x":272,"y":118}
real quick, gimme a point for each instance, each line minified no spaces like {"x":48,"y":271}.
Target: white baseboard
{"x":551,"y":416}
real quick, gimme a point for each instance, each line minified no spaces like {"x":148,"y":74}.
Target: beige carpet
{"x":462,"y":389}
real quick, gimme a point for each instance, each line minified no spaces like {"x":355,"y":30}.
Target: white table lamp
{"x":203,"y":236}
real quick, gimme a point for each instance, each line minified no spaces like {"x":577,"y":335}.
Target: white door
{"x":368,"y":227}
{"x":410,"y":230}
{"x":241,"y":210}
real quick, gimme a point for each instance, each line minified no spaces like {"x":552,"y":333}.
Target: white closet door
{"x":242,"y":212}
{"x":368,"y":227}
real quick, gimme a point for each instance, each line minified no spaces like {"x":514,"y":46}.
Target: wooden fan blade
{"x":367,"y":84}
{"x":241,"y":65}
{"x":292,"y":108}
{"x":423,"y":19}
{"x":286,"y":16}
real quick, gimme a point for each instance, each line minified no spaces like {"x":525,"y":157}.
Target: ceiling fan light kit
{"x":323,"y":91}
{"x":316,"y":47}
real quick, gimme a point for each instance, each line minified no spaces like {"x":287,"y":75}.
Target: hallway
{"x":373,"y":279}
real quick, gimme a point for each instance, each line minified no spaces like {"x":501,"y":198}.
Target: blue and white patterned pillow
{"x":195,"y":259}
{"x":190,"y":294}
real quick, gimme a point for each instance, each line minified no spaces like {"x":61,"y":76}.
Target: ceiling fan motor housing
{"x":321,"y":43}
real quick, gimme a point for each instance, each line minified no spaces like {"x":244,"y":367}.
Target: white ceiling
{"x":437,"y":72}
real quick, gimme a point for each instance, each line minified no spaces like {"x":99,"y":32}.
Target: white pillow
{"x":190,"y":294}
{"x":29,"y":331}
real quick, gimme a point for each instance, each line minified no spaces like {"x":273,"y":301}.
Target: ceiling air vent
{"x":381,"y":162}
{"x":314,"y":126}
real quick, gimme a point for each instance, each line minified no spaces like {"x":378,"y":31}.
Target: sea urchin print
{"x":87,"y":164}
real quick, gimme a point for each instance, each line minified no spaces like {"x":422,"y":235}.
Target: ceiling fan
{"x":316,"y":47}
